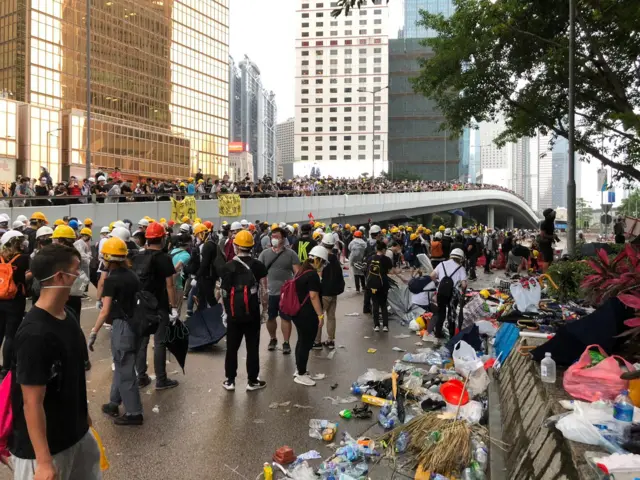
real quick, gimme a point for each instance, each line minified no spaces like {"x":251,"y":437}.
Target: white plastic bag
{"x":465,"y":359}
{"x":414,"y":327}
{"x":486,"y":328}
{"x":579,"y":429}
{"x":527,"y":296}
{"x":478,"y":381}
{"x":373,"y":375}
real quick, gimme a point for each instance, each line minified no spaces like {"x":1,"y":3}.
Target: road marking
{"x":88,"y":308}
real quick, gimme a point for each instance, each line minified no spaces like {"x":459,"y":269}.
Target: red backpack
{"x":6,"y":417}
{"x":290,"y":304}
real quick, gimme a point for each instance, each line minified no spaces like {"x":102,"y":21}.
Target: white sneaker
{"x":385,"y":329}
{"x":376,"y":329}
{"x":304,"y":380}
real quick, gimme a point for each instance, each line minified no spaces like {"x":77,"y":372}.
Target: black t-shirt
{"x":161,"y":269}
{"x":50,"y":352}
{"x":121,"y":285}
{"x":309,"y":281}
{"x":257,"y":268}
{"x":386,"y":265}
{"x":302,"y":246}
{"x":20,"y":267}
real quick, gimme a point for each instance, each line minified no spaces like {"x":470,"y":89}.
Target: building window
{"x":334,"y":33}
{"x":347,"y":99}
{"x":319,"y":62}
{"x":362,"y":137}
{"x":362,"y":31}
{"x":333,"y":109}
{"x":347,"y":129}
{"x":319,"y":53}
{"x":347,"y":90}
{"x":348,"y":42}
{"x":362,"y":22}
{"x":318,"y":90}
{"x":333,"y":157}
{"x":347,"y":109}
{"x":305,"y":129}
{"x":318,"y":139}
{"x":333,"y":100}
{"x":333,"y":52}
{"x":305,"y":139}
{"x":377,"y":31}
{"x":376,"y":157}
{"x":318,"y":148}
{"x":347,"y":71}
{"x":333,"y":71}
{"x":305,"y":25}
{"x":333,"y":42}
{"x":305,"y":5}
{"x":362,"y":109}
{"x":333,"y":90}
{"x":363,"y":41}
{"x":333,"y":139}
{"x":362,"y":80}
{"x":304,"y":157}
{"x":319,"y":157}
{"x":304,"y":148}
{"x":319,"y":24}
{"x":376,"y":147}
{"x":376,"y":127}
{"x":361,"y":157}
{"x":333,"y":129}
{"x":347,"y":147}
{"x":305,"y":81}
{"x":334,"y":61}
{"x":318,"y":109}
{"x":347,"y":23}
{"x":319,"y":5}
{"x":318,"y":119}
{"x":362,"y":51}
{"x":363,"y":13}
{"x":305,"y":63}
{"x":347,"y":119}
{"x":318,"y":81}
{"x":318,"y":129}
{"x":305,"y":34}
{"x":305,"y":72}
{"x":305,"y":100}
{"x":305,"y":110}
{"x":333,"y":147}
{"x":318,"y":100}
{"x":347,"y":157}
{"x":377,"y":79}
{"x":305,"y":53}
{"x":377,"y":12}
{"x":334,"y":23}
{"x":362,"y":119}
{"x":377,"y":50}
{"x":347,"y":51}
{"x":362,"y":99}
{"x":305,"y":15}
{"x":363,"y":70}
{"x":347,"y":138}
{"x":362,"y":147}
{"x":363,"y":60}
{"x":319,"y":34}
{"x":319,"y":43}
{"x":376,"y":118}
{"x":377,"y":40}
{"x":377,"y":60}
{"x":319,"y":14}
{"x":304,"y":91}
{"x":377,"y":21}
{"x":347,"y":61}
{"x":318,"y":72}
{"x":304,"y":120}
{"x":347,"y":80}
{"x":362,"y":128}
{"x":305,"y":44}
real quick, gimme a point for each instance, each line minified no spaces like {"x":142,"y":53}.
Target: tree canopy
{"x":631,"y":205}
{"x":510,"y":57}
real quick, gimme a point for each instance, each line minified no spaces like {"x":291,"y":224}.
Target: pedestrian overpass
{"x":491,"y":207}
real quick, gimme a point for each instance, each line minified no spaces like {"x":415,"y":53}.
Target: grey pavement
{"x":205,"y":432}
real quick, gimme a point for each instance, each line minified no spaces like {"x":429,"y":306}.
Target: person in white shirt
{"x":451,"y":274}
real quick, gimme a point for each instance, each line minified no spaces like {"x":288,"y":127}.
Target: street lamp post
{"x":571,"y":182}
{"x":49,"y":147}
{"x":88,"y":88}
{"x":373,"y":126}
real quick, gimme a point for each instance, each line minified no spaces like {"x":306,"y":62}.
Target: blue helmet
{"x":73,"y":224}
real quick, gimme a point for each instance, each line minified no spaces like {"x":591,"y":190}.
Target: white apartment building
{"x":341,"y":89}
{"x":285,"y":133}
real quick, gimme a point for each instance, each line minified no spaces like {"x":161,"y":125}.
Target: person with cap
{"x":332,"y":286}
{"x":447,"y":241}
{"x":155,"y":270}
{"x":451,"y":275}
{"x":51,"y":435}
{"x":305,"y":243}
{"x":118,"y":305}
{"x":229,"y":251}
{"x":206,"y":274}
{"x":243,"y":287}
{"x":13,"y":279}
{"x":4,"y":223}
{"x":101,"y":189}
{"x":310,"y":318}
{"x":379,"y":267}
{"x":375,"y":234}
{"x":437,"y":250}
{"x":357,"y":265}
{"x":281,"y":264}
{"x":83,"y":245}
{"x":180,"y":256}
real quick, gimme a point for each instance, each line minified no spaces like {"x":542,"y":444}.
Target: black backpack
{"x":143,"y":267}
{"x":446,"y":286}
{"x":417,"y":284}
{"x":374,"y":276}
{"x":146,"y":317}
{"x":242,"y":303}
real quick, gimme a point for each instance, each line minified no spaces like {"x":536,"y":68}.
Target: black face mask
{"x":45,"y":241}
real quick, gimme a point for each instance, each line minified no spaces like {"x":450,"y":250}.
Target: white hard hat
{"x":290,"y":229}
{"x":318,"y":230}
{"x":244,"y":223}
{"x":236,"y":226}
{"x":22,"y":218}
{"x":447,"y":231}
{"x":104,"y":230}
{"x":375,"y":229}
{"x":185,"y":228}
{"x":17,"y":224}
{"x":143,"y":222}
{"x":362,"y":229}
{"x":4,"y":218}
{"x":92,"y":180}
{"x":101,"y":178}
{"x":456,"y":253}
{"x":122,"y":233}
{"x":44,"y":231}
{"x":328,"y":239}
{"x":320,"y":252}
{"x":9,"y":235}
{"x":282,"y":225}
{"x":438,"y":235}
{"x":119,"y":223}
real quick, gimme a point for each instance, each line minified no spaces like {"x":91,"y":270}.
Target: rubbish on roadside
{"x":284,"y":455}
{"x":345,"y":414}
{"x":430,"y":405}
{"x":267,"y":471}
{"x":619,"y":464}
{"x":303,"y":407}
{"x":155,"y":409}
{"x":398,"y":349}
{"x":372,"y":350}
{"x":310,"y":455}
{"x":430,"y":357}
{"x":454,"y":392}
{"x":274,"y":405}
{"x":548,"y":369}
{"x":331,"y":354}
{"x":354,"y":314}
{"x":361,"y":412}
{"x":373,"y":375}
{"x":334,"y":386}
{"x":478,"y":381}
{"x":388,"y":416}
{"x":340,"y":400}
{"x":465,"y":359}
{"x":322,"y":429}
{"x":375,"y":401}
{"x":578,"y":429}
{"x":259,"y":421}
{"x":404,"y":335}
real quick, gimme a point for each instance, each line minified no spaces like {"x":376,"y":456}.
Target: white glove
{"x":224,"y":318}
{"x":194,"y":282}
{"x":174,"y":315}
{"x":99,"y":305}
{"x":92,"y":339}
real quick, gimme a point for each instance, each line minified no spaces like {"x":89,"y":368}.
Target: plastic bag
{"x":486,"y":328}
{"x":373,"y":375}
{"x":602,"y":381}
{"x":302,"y":471}
{"x":471,"y":412}
{"x":413,"y":383}
{"x":478,"y":381}
{"x":429,"y":357}
{"x":577,"y":428}
{"x":414,"y":326}
{"x":465,"y":359}
{"x":526,"y":295}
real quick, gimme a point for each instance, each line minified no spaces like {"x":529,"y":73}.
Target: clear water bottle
{"x":548,"y":369}
{"x":623,"y":414}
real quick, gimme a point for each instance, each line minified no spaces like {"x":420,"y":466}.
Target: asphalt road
{"x":201,"y":431}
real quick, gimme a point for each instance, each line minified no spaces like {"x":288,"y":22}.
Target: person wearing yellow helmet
{"x":119,"y":298}
{"x":58,"y":222}
{"x":409,"y":229}
{"x":240,"y":281}
{"x":281,"y":263}
{"x":472,"y":250}
{"x":441,"y":228}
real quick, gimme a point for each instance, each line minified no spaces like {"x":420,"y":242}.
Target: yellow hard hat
{"x":190,"y":179}
{"x":441,"y":228}
{"x":420,"y":322}
{"x":466,"y":231}
{"x":384,"y":231}
{"x":484,"y":293}
{"x":274,"y":226}
{"x":88,"y":221}
{"x":535,"y":253}
{"x":243,"y":239}
{"x":474,"y":231}
{"x":182,"y":184}
{"x":317,"y":235}
{"x":64,"y":231}
{"x":334,"y":225}
{"x":413,"y":236}
{"x":201,"y":181}
{"x":395,"y":230}
{"x":163,"y":220}
{"x":225,"y":223}
{"x":86,"y":231}
{"x":199,"y":229}
{"x":347,"y":226}
{"x":401,"y":227}
{"x":353,"y":228}
{"x":152,"y":220}
{"x":40,"y":216}
{"x":185,"y":219}
{"x":317,"y":224}
{"x":409,"y":229}
{"x":295,"y":225}
{"x":198,"y":220}
{"x":58,"y":221}
{"x":147,"y":217}
{"x":113,"y":250}
{"x":427,"y":231}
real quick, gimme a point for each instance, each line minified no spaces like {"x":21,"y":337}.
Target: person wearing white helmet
{"x":43,"y":238}
{"x":18,"y":226}
{"x":282,"y":264}
{"x":229,"y":250}
{"x":311,"y":317}
{"x":185,"y":228}
{"x":447,"y":241}
{"x":332,"y":286}
{"x":23,"y":219}
{"x":437,"y":250}
{"x":101,"y":188}
{"x":244,"y":223}
{"x":375,"y":233}
{"x":451,"y":275}
{"x":4,"y":222}
{"x":138,"y":235}
{"x":12,"y":297}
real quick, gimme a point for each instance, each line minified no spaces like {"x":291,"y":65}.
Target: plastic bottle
{"x":345,"y":414}
{"x":478,"y":472}
{"x":357,"y":389}
{"x":268,"y":472}
{"x":351,"y":452}
{"x":402,"y":442}
{"x":480,"y":453}
{"x":548,"y":369}
{"x":623,"y":414}
{"x":388,"y":417}
{"x":317,"y":428}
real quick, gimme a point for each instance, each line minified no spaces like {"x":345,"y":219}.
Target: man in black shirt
{"x":305,"y":243}
{"x":158,"y":280}
{"x":51,"y":437}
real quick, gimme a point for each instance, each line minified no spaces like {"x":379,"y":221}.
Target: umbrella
{"x":206,"y":327}
{"x":177,"y":341}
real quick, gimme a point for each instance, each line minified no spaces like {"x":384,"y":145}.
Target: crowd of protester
{"x":111,"y":187}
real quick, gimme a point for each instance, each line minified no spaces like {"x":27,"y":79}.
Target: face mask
{"x":275,"y":243}
{"x":59,"y":286}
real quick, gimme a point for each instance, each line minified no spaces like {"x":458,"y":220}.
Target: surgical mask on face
{"x":59,"y":286}
{"x":275,"y":243}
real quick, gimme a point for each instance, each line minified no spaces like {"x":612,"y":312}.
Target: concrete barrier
{"x":342,"y":208}
{"x":536,"y":452}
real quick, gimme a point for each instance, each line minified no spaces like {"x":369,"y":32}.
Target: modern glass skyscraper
{"x":159,"y":85}
{"x":412,"y":16}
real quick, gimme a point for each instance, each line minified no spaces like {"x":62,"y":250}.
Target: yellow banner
{"x":229,"y":205}
{"x":183,"y":208}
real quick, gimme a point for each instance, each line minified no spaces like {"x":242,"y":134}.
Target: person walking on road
{"x":332,"y":286}
{"x":244,"y":279}
{"x":310,"y":318}
{"x":375,"y":233}
{"x":51,"y":436}
{"x":378,"y":284}
{"x":118,"y":306}
{"x":282,"y":264}
{"x":451,"y":275}
{"x":490,"y":247}
{"x":357,"y":265}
